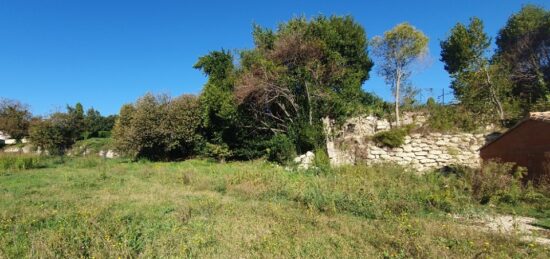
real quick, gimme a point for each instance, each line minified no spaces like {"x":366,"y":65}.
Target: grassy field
{"x":90,"y":207}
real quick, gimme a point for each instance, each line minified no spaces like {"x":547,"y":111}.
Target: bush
{"x":450,"y":118}
{"x":15,"y":118}
{"x":392,"y":138}
{"x":281,"y":149}
{"x":54,"y":134}
{"x":307,"y":137}
{"x":220,"y":152}
{"x":158,"y":127}
{"x":493,"y":182}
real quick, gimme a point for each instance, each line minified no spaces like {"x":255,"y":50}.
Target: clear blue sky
{"x":104,"y":53}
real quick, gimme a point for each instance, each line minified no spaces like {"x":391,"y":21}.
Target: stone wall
{"x":351,"y":144}
{"x":433,"y":150}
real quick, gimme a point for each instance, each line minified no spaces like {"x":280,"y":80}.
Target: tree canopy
{"x":397,"y":50}
{"x":15,"y":118}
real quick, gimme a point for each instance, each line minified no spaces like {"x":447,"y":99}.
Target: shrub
{"x":220,"y":152}
{"x":494,"y":181}
{"x":450,"y":118}
{"x":15,"y":118}
{"x":53,"y":135}
{"x":392,"y":138}
{"x":281,"y":149}
{"x":308,"y":137}
{"x":158,"y":127}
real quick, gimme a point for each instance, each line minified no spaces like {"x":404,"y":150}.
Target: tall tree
{"x":217,"y":101}
{"x":312,"y":69}
{"x":523,"y":46}
{"x":466,"y":59}
{"x":14,"y":118}
{"x":397,"y":50}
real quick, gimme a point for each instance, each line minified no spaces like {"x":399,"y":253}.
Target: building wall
{"x":527,"y":145}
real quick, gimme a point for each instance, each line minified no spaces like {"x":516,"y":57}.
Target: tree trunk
{"x":309,"y":105}
{"x":494,"y":96}
{"x":397,"y":85}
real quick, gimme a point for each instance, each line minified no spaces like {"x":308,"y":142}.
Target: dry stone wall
{"x":431,"y":151}
{"x":351,"y":144}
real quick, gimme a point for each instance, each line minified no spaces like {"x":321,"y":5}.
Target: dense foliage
{"x":270,"y":104}
{"x":511,"y":82}
{"x":15,"y":118}
{"x":58,"y":132}
{"x":391,"y":138}
{"x":294,"y":76}
{"x":158,"y":127}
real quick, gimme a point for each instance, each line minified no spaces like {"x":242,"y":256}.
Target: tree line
{"x":268,"y":101}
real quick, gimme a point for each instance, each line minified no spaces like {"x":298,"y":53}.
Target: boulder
{"x":305,"y":161}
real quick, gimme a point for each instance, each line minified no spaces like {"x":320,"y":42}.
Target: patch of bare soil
{"x":510,"y":225}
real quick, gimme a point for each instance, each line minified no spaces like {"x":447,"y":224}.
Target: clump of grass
{"x":391,"y":138}
{"x":21,"y":161}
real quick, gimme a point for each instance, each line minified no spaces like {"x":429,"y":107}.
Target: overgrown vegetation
{"x":15,"y":118}
{"x":449,"y":118}
{"x":158,"y":127}
{"x":392,"y":138}
{"x":89,"y":207}
{"x":57,"y":133}
{"x":511,"y":82}
{"x":17,"y":162}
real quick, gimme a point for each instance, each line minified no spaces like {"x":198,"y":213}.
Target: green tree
{"x":397,"y":50}
{"x":477,"y":81}
{"x":14,"y":118}
{"x":55,"y":134}
{"x":95,"y":123}
{"x":218,"y":108}
{"x":302,"y":72}
{"x":523,"y":46}
{"x":75,"y":120}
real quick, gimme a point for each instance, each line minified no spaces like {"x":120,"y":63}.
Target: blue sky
{"x":105,"y":53}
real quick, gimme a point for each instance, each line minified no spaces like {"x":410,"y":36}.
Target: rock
{"x":111,"y":154}
{"x":13,"y":150}
{"x":27,"y":149}
{"x":378,"y":152}
{"x":441,"y":143}
{"x":305,"y":161}
{"x":421,"y":153}
{"x":10,"y":141}
{"x":436,"y":152}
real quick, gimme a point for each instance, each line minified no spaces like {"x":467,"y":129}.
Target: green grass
{"x":90,"y":207}
{"x":17,"y":162}
{"x":543,"y":223}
